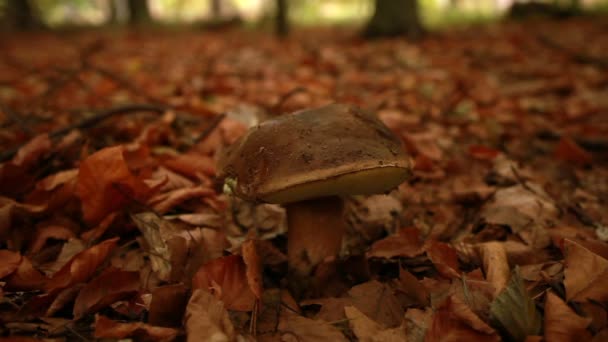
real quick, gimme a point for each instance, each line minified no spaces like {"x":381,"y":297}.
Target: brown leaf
{"x":406,"y":243}
{"x":569,"y":151}
{"x":453,"y":323}
{"x":82,"y":266}
{"x":9,"y":262}
{"x":254,"y":267}
{"x":562,"y":324}
{"x":377,"y":301}
{"x":207,"y":319}
{"x":168,"y":305}
{"x":191,"y":165}
{"x":46,"y":232}
{"x":586,"y":274}
{"x":106,"y":184}
{"x":495,"y":264}
{"x":444,"y":257}
{"x":107,"y":328}
{"x":162,"y":203}
{"x":366,"y":330}
{"x":295,"y":327}
{"x":226,"y":279}
{"x":109,"y":287}
{"x":25,"y":277}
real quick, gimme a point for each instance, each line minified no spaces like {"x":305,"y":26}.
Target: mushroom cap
{"x":335,"y":150}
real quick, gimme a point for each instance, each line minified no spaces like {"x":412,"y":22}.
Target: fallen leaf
{"x":106,"y":184}
{"x":25,"y":277}
{"x":299,"y":328}
{"x":514,"y":310}
{"x":226,"y":279}
{"x":82,"y":266}
{"x":406,"y":243}
{"x":569,"y":151}
{"x":168,"y":305}
{"x":586,"y":274}
{"x":444,"y":258}
{"x":495,"y":264}
{"x":109,"y":287}
{"x":107,"y":328}
{"x":366,"y":330}
{"x":562,"y":324}
{"x":207,"y":319}
{"x":9,"y":262}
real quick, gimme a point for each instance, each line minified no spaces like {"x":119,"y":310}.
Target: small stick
{"x":92,"y":121}
{"x":216,"y":121}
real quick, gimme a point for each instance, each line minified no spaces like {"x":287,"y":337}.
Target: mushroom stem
{"x":315,"y":231}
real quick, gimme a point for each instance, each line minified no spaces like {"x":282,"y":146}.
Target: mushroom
{"x":308,"y":161}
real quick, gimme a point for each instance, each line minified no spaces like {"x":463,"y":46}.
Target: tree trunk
{"x":138,"y":12}
{"x":395,"y":17}
{"x":20,"y":15}
{"x":216,"y":9}
{"x":282,"y":24}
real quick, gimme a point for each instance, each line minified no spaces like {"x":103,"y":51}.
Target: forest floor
{"x":113,"y":223}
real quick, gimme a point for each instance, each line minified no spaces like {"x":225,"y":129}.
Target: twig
{"x":92,"y":121}
{"x":209,"y":129}
{"x":594,"y":145}
{"x":274,"y":109}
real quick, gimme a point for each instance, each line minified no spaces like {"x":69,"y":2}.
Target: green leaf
{"x":514,"y":312}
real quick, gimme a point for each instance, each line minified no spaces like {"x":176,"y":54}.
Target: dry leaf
{"x":586,"y":274}
{"x":207,"y":319}
{"x":107,"y":328}
{"x":562,"y":324}
{"x":366,"y":330}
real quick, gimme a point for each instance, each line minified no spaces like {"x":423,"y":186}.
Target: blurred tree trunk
{"x":113,"y":12}
{"x":282,"y":24}
{"x":138,"y":12}
{"x":21,"y":16}
{"x":216,"y":8}
{"x":395,"y":17}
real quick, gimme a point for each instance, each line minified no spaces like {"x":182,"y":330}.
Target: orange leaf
{"x":26,"y":277}
{"x":111,"y":286}
{"x":483,"y":152}
{"x":106,"y":183}
{"x":406,"y":243}
{"x":191,"y":165}
{"x":569,"y":151}
{"x":226,"y":279}
{"x":562,"y":324}
{"x":9,"y":262}
{"x":82,"y":266}
{"x":444,"y":257}
{"x":107,"y":328}
{"x":46,"y":232}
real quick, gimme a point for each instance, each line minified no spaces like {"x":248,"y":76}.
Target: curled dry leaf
{"x":444,"y":257}
{"x":226,"y":279}
{"x":162,"y":203}
{"x":207,"y":319}
{"x":562,"y":324}
{"x":109,"y":287}
{"x":106,"y":183}
{"x":586,"y":274}
{"x":44,"y":233}
{"x":9,"y":262}
{"x":107,"y":328}
{"x":191,"y":165}
{"x":168,"y":305}
{"x":82,"y":266}
{"x":25,"y":277}
{"x":569,"y":151}
{"x":406,"y":243}
{"x":495,"y":264}
{"x":293,"y":327}
{"x":254,"y":267}
{"x":456,"y":322}
{"x":366,"y":330}
{"x":157,"y":233}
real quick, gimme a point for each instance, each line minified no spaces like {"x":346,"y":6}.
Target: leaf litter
{"x":117,"y":227}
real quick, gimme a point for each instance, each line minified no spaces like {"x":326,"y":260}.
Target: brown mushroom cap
{"x":328,"y":151}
